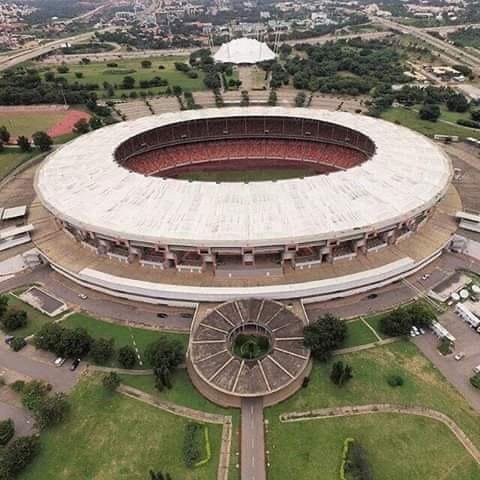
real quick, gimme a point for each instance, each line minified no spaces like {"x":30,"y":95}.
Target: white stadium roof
{"x":244,"y":50}
{"x":84,"y":185}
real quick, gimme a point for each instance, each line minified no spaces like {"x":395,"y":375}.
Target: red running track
{"x":66,"y":125}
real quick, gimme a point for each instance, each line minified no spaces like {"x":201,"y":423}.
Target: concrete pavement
{"x":253,"y":440}
{"x":24,"y":423}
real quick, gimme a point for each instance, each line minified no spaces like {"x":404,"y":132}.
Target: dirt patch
{"x":65,"y":126}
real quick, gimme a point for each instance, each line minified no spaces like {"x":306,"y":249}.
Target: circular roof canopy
{"x":244,"y":50}
{"x":83,"y":184}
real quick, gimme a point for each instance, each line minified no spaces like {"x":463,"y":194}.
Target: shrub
{"x":102,"y":350}
{"x":127,"y":357}
{"x":468,"y":123}
{"x":34,"y":393}
{"x":191,"y":448}
{"x":305,"y":382}
{"x":341,"y":373}
{"x":43,"y":141}
{"x":17,"y":455}
{"x":111,"y":381}
{"x":63,"y":68}
{"x":324,"y":336}
{"x":395,"y":380}
{"x":17,"y":386}
{"x":52,"y":410}
{"x":430,"y":112}
{"x":7,"y":430}
{"x":14,"y":320}
{"x":17,"y":344}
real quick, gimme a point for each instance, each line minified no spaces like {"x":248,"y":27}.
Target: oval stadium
{"x":221,"y":204}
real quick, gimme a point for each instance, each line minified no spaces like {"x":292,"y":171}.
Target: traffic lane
{"x":105,"y":306}
{"x":24,"y":423}
{"x":253,"y":440}
{"x":61,"y":378}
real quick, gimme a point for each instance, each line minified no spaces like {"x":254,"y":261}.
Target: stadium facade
{"x":371,"y":185}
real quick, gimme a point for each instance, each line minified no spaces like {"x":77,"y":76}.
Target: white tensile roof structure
{"x":83,"y":184}
{"x":244,"y":50}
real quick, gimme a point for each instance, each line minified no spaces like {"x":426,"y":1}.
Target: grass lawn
{"x":374,"y":322}
{"x":358,"y":334}
{"x":121,"y":334}
{"x":409,"y":118}
{"x":36,"y":319}
{"x":265,"y":175}
{"x":11,"y":158}
{"x":27,"y":123}
{"x":398,"y":447}
{"x":111,"y":437}
{"x":424,"y":386}
{"x":100,"y":72}
{"x":184,"y":393}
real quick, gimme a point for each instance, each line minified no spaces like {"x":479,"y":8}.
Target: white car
{"x":82,"y":296}
{"x":422,"y":331}
{"x":412,"y":333}
{"x":459,"y":356}
{"x":426,"y":276}
{"x":59,"y":361}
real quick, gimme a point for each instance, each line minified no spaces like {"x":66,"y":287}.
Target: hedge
{"x":346,"y":446}
{"x":208,"y":450}
{"x":468,"y":123}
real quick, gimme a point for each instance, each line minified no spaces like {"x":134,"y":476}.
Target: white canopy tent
{"x":244,"y":50}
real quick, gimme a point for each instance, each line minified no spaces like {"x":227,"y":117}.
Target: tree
{"x":111,"y":381}
{"x":341,"y":373}
{"x":430,"y":112}
{"x":177,"y":90}
{"x":74,"y":343}
{"x":49,"y":77}
{"x":102,"y":350}
{"x":17,"y":344}
{"x":272,"y":98}
{"x":3,"y":305}
{"x":300,"y":99}
{"x":81,"y":126}
{"x":245,"y":101}
{"x":324,"y":336}
{"x":52,"y":410}
{"x":475,"y":381}
{"x":14,"y":320}
{"x":24,"y":143}
{"x":164,"y":355}
{"x":396,"y":323}
{"x":63,"y":68}
{"x":146,"y":64}
{"x":7,"y":430}
{"x":127,"y":356}
{"x":17,"y":455}
{"x":34,"y":393}
{"x":4,"y":134}
{"x":48,"y":337}
{"x":457,"y":103}
{"x":43,"y":141}
{"x":475,"y":114}
{"x":128,"y":82}
{"x":95,"y":123}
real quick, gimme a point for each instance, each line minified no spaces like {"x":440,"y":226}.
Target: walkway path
{"x":196,"y":415}
{"x":253,"y":440}
{"x":324,"y":413}
{"x":366,"y":346}
{"x":24,"y":423}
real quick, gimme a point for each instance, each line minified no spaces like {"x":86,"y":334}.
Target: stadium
{"x":346,"y":203}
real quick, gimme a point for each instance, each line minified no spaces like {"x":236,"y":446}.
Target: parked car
{"x":162,"y":315}
{"x":459,"y":356}
{"x":59,"y":361}
{"x":186,"y":315}
{"x":8,"y":339}
{"x":372,"y":296}
{"x":82,"y":296}
{"x":426,"y":276}
{"x":75,"y":364}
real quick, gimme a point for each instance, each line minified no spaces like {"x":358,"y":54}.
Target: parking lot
{"x":458,"y":372}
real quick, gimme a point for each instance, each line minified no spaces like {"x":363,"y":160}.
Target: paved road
{"x":100,"y":305}
{"x":253,"y":440}
{"x":24,"y":423}
{"x":396,"y":293}
{"x":61,"y":379}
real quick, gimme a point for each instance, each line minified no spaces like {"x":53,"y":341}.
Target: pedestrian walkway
{"x":253,"y":440}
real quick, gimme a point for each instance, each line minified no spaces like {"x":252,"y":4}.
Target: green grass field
{"x":11,"y":158}
{"x":398,"y":447}
{"x":100,"y":72}
{"x":35,"y":321}
{"x":358,"y":334}
{"x":122,"y":335}
{"x":111,"y":437}
{"x":424,"y":386}
{"x":266,"y":175}
{"x":409,"y":118}
{"x":27,"y":123}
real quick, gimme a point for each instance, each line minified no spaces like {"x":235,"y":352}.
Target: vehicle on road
{"x":75,"y":364}
{"x":459,"y":356}
{"x":476,"y":369}
{"x":59,"y":361}
{"x":426,"y":276}
{"x":186,"y":315}
{"x":162,"y":315}
{"x":82,"y":296}
{"x":8,"y":339}
{"x":372,"y":296}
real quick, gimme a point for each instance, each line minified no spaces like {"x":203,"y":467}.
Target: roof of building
{"x":83,"y":184}
{"x":14,"y":212}
{"x":244,"y":50}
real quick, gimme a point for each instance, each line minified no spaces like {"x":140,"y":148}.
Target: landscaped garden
{"x":109,"y":436}
{"x":301,"y":450}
